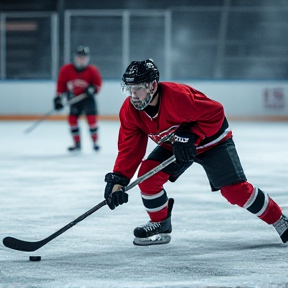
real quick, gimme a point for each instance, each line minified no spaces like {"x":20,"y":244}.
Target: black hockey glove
{"x":184,"y":147}
{"x":69,"y":95}
{"x":90,"y":90}
{"x":58,"y":103}
{"x":115,"y":194}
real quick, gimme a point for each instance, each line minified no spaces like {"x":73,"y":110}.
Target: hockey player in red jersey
{"x":75,"y":79}
{"x":186,"y":123}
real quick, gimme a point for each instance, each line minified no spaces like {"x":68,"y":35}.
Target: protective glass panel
{"x":103,"y":35}
{"x":147,"y":39}
{"x":255,"y":47}
{"x":28,"y":48}
{"x":194,"y":43}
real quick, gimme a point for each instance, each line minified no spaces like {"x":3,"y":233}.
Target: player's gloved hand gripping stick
{"x":28,"y":246}
{"x":184,"y":147}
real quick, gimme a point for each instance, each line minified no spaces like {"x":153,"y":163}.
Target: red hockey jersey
{"x":70,"y":79}
{"x":179,"y":103}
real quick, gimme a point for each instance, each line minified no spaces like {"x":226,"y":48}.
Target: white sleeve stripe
{"x":215,"y":140}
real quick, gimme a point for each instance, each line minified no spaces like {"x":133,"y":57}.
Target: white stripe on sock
{"x":157,"y":209}
{"x":266,"y":202}
{"x":252,"y":198}
{"x":154,"y":196}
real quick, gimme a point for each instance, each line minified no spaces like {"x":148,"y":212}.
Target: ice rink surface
{"x":214,"y":244}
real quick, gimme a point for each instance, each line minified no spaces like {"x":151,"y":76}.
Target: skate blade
{"x":153,"y":240}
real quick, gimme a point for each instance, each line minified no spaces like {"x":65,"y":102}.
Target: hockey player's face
{"x":81,"y":61}
{"x":141,"y":94}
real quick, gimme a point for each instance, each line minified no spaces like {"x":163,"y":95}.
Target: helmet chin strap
{"x":154,"y":95}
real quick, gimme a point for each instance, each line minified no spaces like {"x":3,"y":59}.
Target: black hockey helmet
{"x":83,"y":50}
{"x":141,"y":72}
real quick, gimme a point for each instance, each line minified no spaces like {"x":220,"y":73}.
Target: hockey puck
{"x":35,"y":258}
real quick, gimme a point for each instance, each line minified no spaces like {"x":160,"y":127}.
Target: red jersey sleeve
{"x":62,"y":80}
{"x":96,"y":78}
{"x":132,"y":142}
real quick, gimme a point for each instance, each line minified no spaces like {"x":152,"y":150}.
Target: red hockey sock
{"x":92,"y":122}
{"x":272,"y":213}
{"x":74,"y":129}
{"x":254,"y":200}
{"x":159,"y":215}
{"x":154,"y":196}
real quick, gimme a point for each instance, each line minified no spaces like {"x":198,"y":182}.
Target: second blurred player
{"x":75,"y":79}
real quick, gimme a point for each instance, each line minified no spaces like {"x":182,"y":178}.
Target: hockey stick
{"x":70,"y":102}
{"x":28,"y":246}
{"x":29,"y":129}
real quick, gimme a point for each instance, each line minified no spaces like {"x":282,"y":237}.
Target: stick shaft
{"x":72,"y":101}
{"x":151,"y":172}
{"x":27,"y":246}
{"x":35,"y":124}
{"x":76,"y":99}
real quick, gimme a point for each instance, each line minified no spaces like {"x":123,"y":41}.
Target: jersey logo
{"x":164,"y":136}
{"x":77,"y":84}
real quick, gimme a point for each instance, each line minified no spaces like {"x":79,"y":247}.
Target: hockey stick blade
{"x":27,"y":246}
{"x":30,"y":246}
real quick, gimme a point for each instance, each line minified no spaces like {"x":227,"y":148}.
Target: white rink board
{"x":214,"y":244}
{"x":239,"y":98}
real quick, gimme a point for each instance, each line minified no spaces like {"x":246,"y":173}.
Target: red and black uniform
{"x":179,"y":105}
{"x":75,"y":82}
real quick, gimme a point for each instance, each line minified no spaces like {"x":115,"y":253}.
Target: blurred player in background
{"x":186,"y":123}
{"x":75,"y":79}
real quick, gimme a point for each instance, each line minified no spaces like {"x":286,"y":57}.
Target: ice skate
{"x":281,"y":227}
{"x":154,"y":233}
{"x":76,"y":147}
{"x":96,"y":147}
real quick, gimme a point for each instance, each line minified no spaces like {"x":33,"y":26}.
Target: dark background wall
{"x":210,"y":39}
